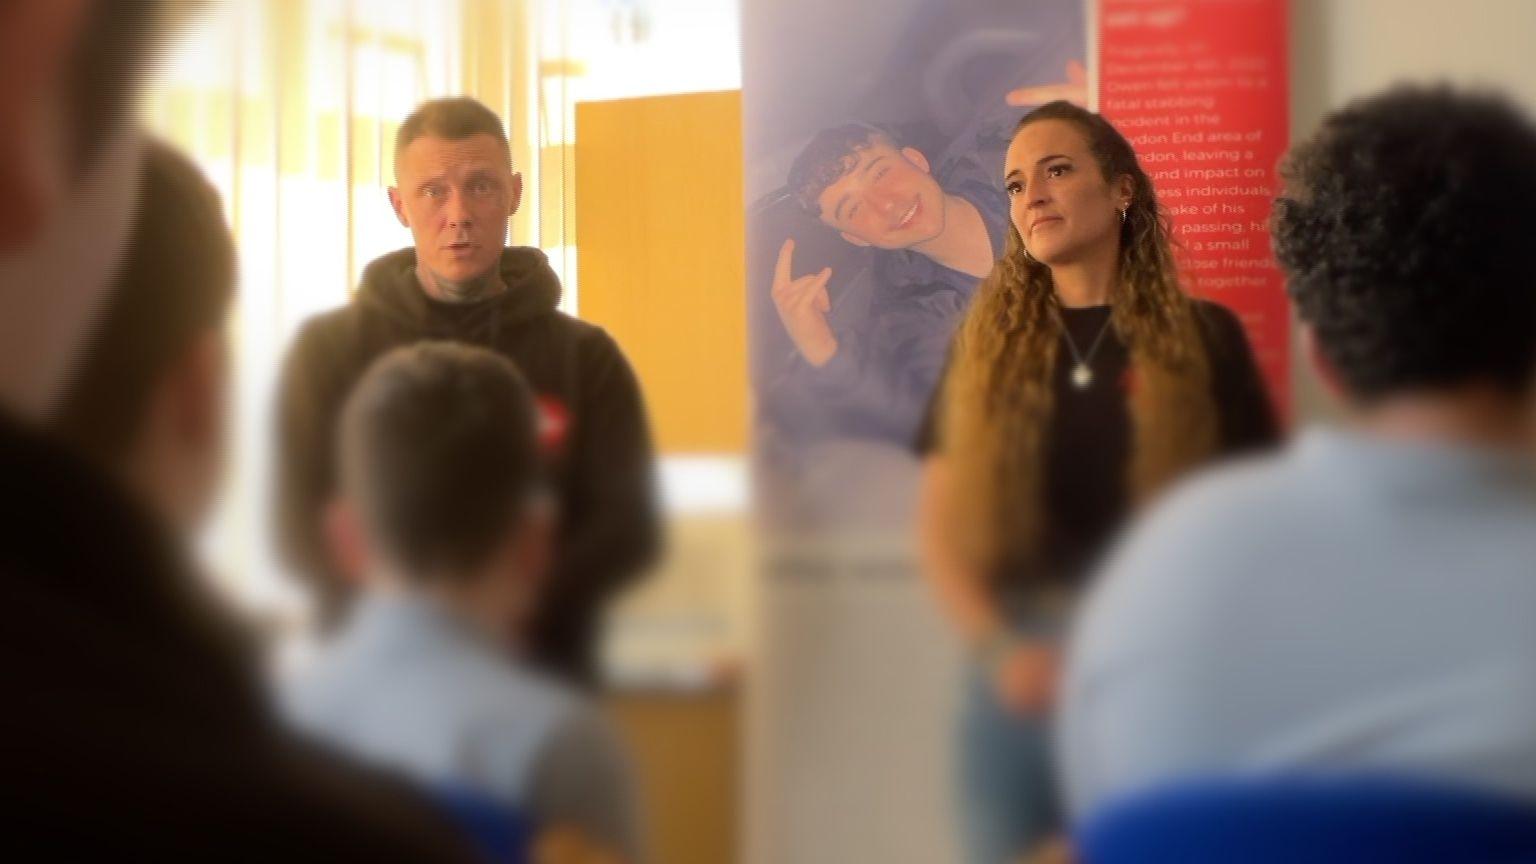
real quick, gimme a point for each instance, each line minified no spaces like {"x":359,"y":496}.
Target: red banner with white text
{"x":1200,"y":88}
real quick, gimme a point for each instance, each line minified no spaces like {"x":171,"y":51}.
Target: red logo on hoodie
{"x":554,"y":424}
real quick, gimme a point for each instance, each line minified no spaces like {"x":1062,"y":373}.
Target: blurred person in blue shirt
{"x":441,"y":505}
{"x":1361,"y":603}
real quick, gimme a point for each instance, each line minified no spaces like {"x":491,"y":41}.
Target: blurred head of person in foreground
{"x":440,"y":482}
{"x":1405,"y":232}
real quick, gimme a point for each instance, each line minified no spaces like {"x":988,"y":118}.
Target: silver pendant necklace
{"x":1082,"y":373}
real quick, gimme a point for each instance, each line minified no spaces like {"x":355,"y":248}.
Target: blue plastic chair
{"x":498,"y":831}
{"x":1309,"y":819}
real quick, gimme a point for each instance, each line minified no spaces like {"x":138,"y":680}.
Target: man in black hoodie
{"x":456,"y":191}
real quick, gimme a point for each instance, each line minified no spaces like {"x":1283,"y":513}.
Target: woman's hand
{"x":1024,"y":676}
{"x":566,"y":845}
{"x":1057,"y":850}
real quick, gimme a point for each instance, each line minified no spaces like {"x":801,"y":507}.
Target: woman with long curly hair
{"x":1082,"y":381}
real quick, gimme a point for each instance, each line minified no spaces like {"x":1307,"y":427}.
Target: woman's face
{"x":1063,"y":208}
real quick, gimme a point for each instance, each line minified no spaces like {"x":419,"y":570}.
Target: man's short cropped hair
{"x":1405,"y":231}
{"x":830,"y":155}
{"x":454,"y":119}
{"x":439,"y":454}
{"x":174,"y":283}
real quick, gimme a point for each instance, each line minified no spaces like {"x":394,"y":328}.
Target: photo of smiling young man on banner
{"x":874,"y":170}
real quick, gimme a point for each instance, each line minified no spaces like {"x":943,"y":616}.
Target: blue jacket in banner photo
{"x":893,"y":313}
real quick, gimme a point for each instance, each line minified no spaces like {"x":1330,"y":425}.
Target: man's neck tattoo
{"x":467,"y":291}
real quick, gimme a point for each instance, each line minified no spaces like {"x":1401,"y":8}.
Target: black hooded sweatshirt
{"x":593,"y":429}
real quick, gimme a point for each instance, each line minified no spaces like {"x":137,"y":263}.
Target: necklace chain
{"x":1082,"y":373}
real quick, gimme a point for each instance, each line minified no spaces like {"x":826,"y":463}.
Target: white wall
{"x":1344,"y":49}
{"x":1341,"y":49}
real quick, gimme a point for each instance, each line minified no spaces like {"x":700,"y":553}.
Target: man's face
{"x":888,"y":199}
{"x":456,"y":197}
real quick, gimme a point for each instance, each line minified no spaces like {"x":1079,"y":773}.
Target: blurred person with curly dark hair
{"x":1362,"y":603}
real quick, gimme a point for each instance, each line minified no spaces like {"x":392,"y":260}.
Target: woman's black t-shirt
{"x":1087,"y":448}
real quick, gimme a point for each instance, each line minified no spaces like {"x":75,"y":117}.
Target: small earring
{"x":1123,"y":212}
